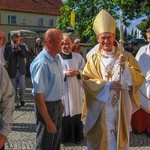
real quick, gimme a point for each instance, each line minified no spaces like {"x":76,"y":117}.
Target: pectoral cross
{"x":109,"y":75}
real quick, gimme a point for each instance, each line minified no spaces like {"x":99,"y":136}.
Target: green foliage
{"x":86,"y":10}
{"x":144,"y":26}
{"x":132,"y":32}
{"x":125,"y":32}
{"x":8,"y":42}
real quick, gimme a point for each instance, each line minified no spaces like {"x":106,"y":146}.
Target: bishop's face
{"x":106,"y":40}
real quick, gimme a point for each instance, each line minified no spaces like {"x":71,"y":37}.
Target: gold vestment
{"x":93,"y":84}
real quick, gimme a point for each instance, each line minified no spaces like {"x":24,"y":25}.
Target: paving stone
{"x":23,"y":134}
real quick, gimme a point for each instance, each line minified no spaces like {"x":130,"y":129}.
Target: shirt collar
{"x":48,"y":55}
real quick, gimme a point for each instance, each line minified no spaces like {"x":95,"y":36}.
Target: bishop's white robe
{"x":101,"y":115}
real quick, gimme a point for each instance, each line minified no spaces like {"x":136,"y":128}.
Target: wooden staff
{"x":120,"y":78}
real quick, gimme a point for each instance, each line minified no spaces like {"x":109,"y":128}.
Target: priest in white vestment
{"x":102,"y":89}
{"x":141,"y":119}
{"x":72,"y":64}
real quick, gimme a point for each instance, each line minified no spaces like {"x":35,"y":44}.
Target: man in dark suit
{"x":15,"y":54}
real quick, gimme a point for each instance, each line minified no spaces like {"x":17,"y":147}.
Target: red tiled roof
{"x":51,"y":7}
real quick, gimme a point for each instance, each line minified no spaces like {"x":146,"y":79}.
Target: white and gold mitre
{"x":104,"y":22}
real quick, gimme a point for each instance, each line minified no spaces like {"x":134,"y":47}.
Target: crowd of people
{"x":108,"y":95}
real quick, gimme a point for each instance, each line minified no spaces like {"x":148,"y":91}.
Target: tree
{"x":86,"y":10}
{"x":132,"y":33}
{"x":125,"y":33}
{"x":144,"y":26}
{"x":135,"y":34}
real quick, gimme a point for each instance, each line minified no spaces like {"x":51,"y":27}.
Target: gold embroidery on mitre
{"x":104,"y":22}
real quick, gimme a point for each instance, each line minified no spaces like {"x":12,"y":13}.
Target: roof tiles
{"x":51,"y":7}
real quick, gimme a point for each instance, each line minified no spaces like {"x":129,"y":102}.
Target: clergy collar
{"x":66,"y":56}
{"x":114,"y":53}
{"x":108,"y":54}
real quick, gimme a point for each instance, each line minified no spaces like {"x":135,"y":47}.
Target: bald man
{"x":47,"y":79}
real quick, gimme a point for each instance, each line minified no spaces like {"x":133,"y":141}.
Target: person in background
{"x":76,"y":46}
{"x":15,"y":54}
{"x":47,"y":79}
{"x":38,"y":46}
{"x":73,"y":64}
{"x":22,"y":42}
{"x":7,"y":97}
{"x":102,"y":87}
{"x":130,"y":49}
{"x":141,"y":118}
{"x":2,"y":47}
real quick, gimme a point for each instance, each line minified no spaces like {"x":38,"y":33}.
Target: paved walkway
{"x":23,"y":130}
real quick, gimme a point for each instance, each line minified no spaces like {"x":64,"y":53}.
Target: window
{"x":51,"y":22}
{"x":12,"y":19}
{"x":40,"y":21}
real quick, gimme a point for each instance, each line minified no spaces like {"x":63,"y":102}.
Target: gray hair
{"x":77,"y":41}
{"x":38,"y":39}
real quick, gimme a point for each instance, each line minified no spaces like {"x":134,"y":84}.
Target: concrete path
{"x":23,"y":130}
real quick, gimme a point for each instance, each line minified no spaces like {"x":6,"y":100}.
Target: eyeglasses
{"x":65,"y":44}
{"x":1,"y":37}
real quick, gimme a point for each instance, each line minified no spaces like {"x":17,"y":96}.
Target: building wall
{"x":28,"y":21}
{"x":138,"y":33}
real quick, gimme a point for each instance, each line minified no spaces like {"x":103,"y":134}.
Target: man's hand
{"x":115,"y":85}
{"x":16,"y":47}
{"x":39,"y":100}
{"x":51,"y":128}
{"x":2,"y":140}
{"x":63,"y":108}
{"x":71,"y":73}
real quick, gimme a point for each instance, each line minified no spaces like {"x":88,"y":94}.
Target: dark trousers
{"x":72,"y":129}
{"x":3,"y":148}
{"x":44,"y":139}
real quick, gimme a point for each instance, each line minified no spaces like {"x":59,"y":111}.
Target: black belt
{"x":52,"y":102}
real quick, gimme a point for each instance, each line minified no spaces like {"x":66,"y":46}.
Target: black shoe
{"x":77,"y":141}
{"x":148,"y":134}
{"x":135,"y":131}
{"x":22,"y":103}
{"x":17,"y":105}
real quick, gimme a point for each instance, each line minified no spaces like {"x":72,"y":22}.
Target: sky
{"x":133,"y":23}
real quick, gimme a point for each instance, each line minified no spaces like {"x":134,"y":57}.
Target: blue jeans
{"x":19,"y":85}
